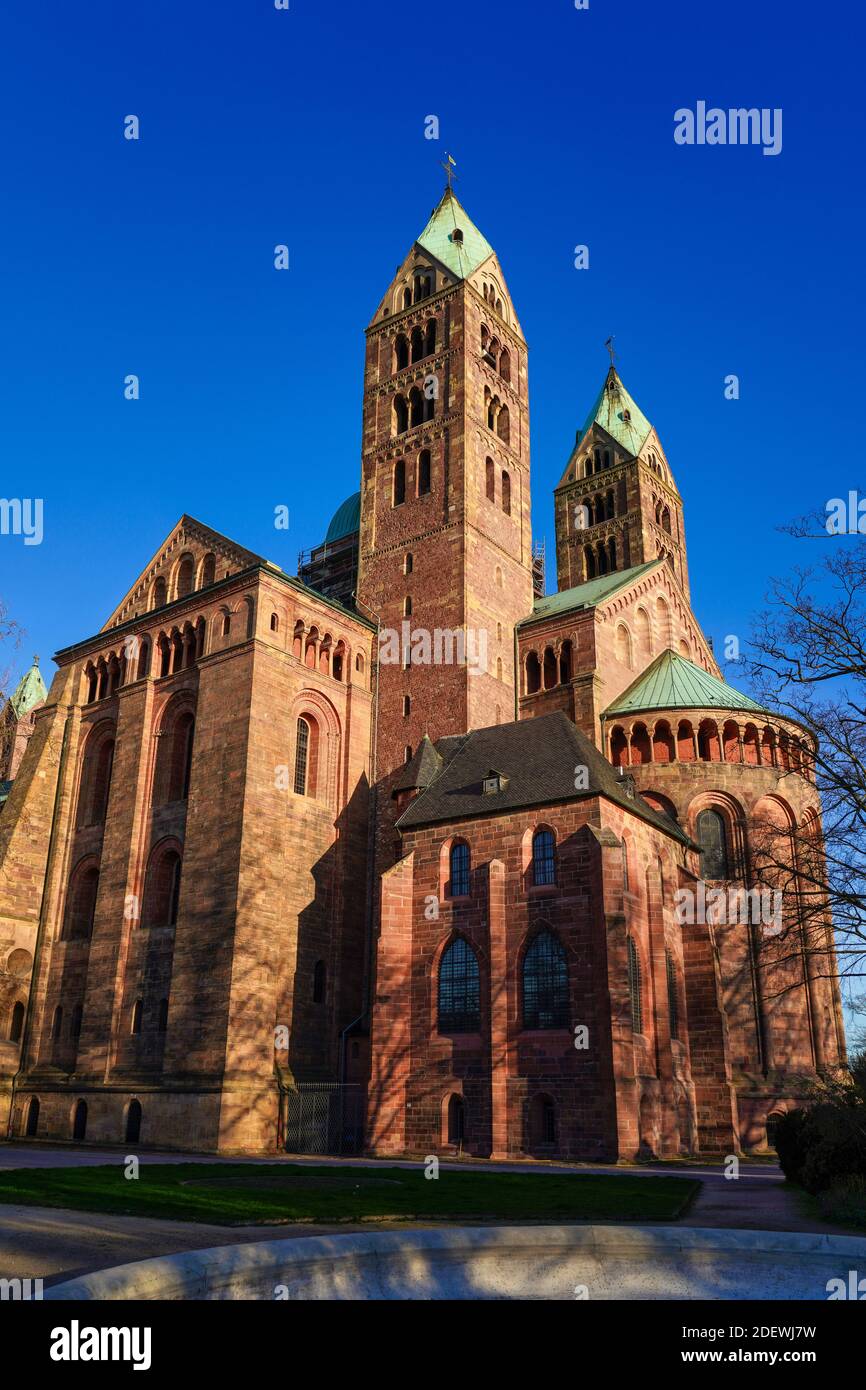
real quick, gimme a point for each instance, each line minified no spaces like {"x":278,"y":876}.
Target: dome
{"x":346,"y":519}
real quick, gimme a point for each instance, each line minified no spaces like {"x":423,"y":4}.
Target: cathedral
{"x":402,"y":855}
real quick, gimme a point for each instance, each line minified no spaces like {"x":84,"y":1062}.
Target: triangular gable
{"x":188,"y":537}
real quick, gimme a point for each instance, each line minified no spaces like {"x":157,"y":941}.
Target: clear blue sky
{"x":306,"y":127}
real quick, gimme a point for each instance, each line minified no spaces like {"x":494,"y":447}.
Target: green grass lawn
{"x":244,"y":1194}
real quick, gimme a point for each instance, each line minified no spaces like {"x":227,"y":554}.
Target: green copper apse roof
{"x":587,"y":595}
{"x":29,"y":691}
{"x":672,"y":682}
{"x":346,"y":519}
{"x":617,"y":413}
{"x":460,"y":256}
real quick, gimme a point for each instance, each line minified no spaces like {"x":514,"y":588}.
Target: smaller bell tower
{"x":617,"y":504}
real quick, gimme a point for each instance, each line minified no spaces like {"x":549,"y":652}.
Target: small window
{"x":136,"y":1017}
{"x":459,"y":863}
{"x":543,"y":859}
{"x":457,"y":236}
{"x":227,"y":624}
{"x":399,"y":482}
{"x":407,"y":706}
{"x":424,"y":473}
{"x":133,"y":1122}
{"x":407,"y":754}
{"x":407,"y":606}
{"x":16,"y":1024}
{"x":456,"y":1121}
{"x":408,"y":563}
{"x":506,"y":493}
{"x":275,"y":623}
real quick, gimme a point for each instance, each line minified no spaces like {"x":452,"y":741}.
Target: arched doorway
{"x":79,"y":1123}
{"x":133,"y":1122}
{"x":32,"y":1118}
{"x":456,"y":1120}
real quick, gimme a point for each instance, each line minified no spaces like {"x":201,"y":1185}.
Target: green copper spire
{"x":453,"y":238}
{"x":617,"y":413}
{"x":29,"y":691}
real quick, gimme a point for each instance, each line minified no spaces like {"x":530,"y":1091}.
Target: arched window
{"x":503,"y":425}
{"x":32,"y":1118}
{"x":160,"y":593}
{"x":302,"y":754}
{"x":416,"y":407}
{"x":713,"y":842}
{"x":673,"y":1001}
{"x":456,"y":1120}
{"x":79,"y":1123}
{"x":143,"y":667}
{"x":634,"y":988}
{"x":459,"y":865}
{"x":57,"y":1023}
{"x":490,"y":471}
{"x":319,"y":982}
{"x":545,"y":984}
{"x":174,"y":758}
{"x":417,"y":344}
{"x":407,"y":606}
{"x":430,"y":339}
{"x":133,"y":1122}
{"x":275,"y":623}
{"x":401,"y":415}
{"x":399,"y":482}
{"x":505,"y":365}
{"x":77,"y":1020}
{"x":423,"y":472}
{"x":16,"y":1023}
{"x":185,"y":576}
{"x":227,"y":624}
{"x":459,"y":989}
{"x":81,"y":902}
{"x":408,"y":563}
{"x":95,"y":780}
{"x":543,"y":858}
{"x":137,"y":1010}
{"x":208,"y":570}
{"x":401,"y":350}
{"x":162,"y":888}
{"x":506,"y":493}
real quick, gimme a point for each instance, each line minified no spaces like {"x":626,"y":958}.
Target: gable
{"x":192,"y":557}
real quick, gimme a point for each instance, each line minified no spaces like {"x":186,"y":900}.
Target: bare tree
{"x":807,"y":661}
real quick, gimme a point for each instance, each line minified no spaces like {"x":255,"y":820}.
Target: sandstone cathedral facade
{"x":392,"y":854}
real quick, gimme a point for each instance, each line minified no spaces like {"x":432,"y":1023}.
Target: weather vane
{"x":609,"y":346}
{"x":449,"y":165}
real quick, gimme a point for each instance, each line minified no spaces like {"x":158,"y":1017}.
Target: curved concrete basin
{"x":493,"y":1262}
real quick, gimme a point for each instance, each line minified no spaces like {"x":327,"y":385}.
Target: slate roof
{"x":672,"y":682}
{"x":538,"y":758}
{"x":460,"y":257}
{"x":587,"y":595}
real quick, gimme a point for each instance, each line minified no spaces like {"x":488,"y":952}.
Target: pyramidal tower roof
{"x":673,"y":682}
{"x":616,"y":412}
{"x":453,"y":238}
{"x":30,"y":690}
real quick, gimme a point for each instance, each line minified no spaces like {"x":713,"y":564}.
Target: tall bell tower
{"x":445,"y":561}
{"x":617,"y":504}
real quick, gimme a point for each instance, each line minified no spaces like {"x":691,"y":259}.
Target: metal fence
{"x":324,"y":1118}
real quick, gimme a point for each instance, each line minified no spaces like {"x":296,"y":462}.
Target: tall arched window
{"x":423,"y":472}
{"x":174,"y":758}
{"x":503,"y":425}
{"x":137,"y":1011}
{"x":185,"y":576}
{"x":95,"y":780}
{"x":634,"y":988}
{"x":713,"y":842}
{"x":81,"y":902}
{"x":32,"y":1117}
{"x":401,"y":415}
{"x":673,"y":1001}
{"x":401,"y":349}
{"x":160,"y":595}
{"x":16,"y":1023}
{"x":208,"y":570}
{"x":305,"y":757}
{"x":162,"y":888}
{"x":506,"y":493}
{"x":459,"y":865}
{"x":545,"y":983}
{"x":543,"y":858}
{"x":399,"y":482}
{"x":490,"y":484}
{"x":456,"y":1120}
{"x":459,"y":989}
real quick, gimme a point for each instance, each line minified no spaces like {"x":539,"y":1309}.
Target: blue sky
{"x":306,"y":127}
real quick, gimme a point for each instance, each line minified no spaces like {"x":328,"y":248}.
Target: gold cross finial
{"x":609,"y":346}
{"x":449,"y":165}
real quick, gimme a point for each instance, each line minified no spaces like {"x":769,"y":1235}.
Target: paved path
{"x":42,"y":1242}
